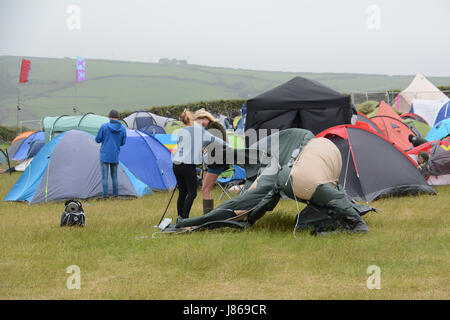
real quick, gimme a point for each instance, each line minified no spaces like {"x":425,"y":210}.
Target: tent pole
{"x":168,"y":204}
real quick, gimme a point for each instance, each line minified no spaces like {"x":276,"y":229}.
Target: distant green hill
{"x":131,"y":85}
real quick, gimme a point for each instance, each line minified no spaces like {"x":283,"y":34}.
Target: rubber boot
{"x":208,"y":205}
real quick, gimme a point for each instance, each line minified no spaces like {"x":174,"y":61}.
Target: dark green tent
{"x":267,"y":180}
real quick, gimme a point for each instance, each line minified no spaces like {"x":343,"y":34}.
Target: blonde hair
{"x":187,"y":117}
{"x":202,"y":113}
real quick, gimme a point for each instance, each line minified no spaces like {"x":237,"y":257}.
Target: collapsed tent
{"x":427,"y":146}
{"x":429,"y":109}
{"x":419,"y":88}
{"x":438,"y":163}
{"x":372,"y":166}
{"x":25,"y":146}
{"x":148,"y":159}
{"x":298,"y":103}
{"x":439,"y":131}
{"x":293,"y":163}
{"x":392,"y":126}
{"x":88,"y":122}
{"x":68,"y":167}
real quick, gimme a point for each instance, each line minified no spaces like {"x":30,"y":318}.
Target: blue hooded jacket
{"x":112,"y":136}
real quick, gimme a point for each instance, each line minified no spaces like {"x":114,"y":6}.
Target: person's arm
{"x":99,"y":137}
{"x":209,"y":140}
{"x":124,"y":138}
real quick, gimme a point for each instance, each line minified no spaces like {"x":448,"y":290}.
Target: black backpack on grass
{"x":73,"y":214}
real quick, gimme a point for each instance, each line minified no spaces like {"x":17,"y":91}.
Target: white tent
{"x":419,"y":88}
{"x":23,"y":165}
{"x":439,"y":180}
{"x":428,"y":109}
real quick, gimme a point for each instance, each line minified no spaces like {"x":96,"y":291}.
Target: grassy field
{"x":119,"y":258}
{"x":122,"y":85}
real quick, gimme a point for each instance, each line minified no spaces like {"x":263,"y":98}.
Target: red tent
{"x":390,"y":123}
{"x":427,"y":146}
{"x":363,"y":121}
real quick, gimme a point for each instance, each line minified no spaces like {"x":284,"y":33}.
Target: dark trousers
{"x":187,"y":187}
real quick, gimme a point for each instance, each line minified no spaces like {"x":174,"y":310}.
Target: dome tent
{"x":25,"y":147}
{"x":88,"y":122}
{"x":148,"y":159}
{"x":372,"y":167}
{"x":68,"y":167}
{"x":429,"y":110}
{"x":142,"y":119}
{"x":18,"y":141}
{"x":392,"y":126}
{"x":439,"y":131}
{"x":443,"y":113}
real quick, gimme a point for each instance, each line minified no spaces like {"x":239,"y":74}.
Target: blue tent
{"x":23,"y":151}
{"x":148,"y":159}
{"x":439,"y":131}
{"x":444,"y":112}
{"x":35,"y":147}
{"x":68,"y":167}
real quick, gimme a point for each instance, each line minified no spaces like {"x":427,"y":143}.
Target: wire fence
{"x":35,"y":125}
{"x":359,"y":97}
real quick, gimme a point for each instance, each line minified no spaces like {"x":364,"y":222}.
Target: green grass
{"x":51,"y":89}
{"x":119,"y":258}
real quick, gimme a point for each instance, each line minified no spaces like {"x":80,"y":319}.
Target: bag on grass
{"x":73,"y":214}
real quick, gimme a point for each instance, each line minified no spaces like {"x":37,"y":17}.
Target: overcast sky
{"x":358,"y":36}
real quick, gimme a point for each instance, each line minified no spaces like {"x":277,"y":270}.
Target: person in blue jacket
{"x":112,"y":135}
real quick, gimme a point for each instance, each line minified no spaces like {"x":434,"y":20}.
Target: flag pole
{"x":76,"y":96}
{"x":18,"y":108}
{"x":76,"y":87}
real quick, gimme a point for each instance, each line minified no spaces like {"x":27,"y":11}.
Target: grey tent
{"x":68,"y":167}
{"x":142,"y":119}
{"x":438,"y":163}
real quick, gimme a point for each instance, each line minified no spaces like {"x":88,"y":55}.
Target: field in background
{"x":52,"y":90}
{"x":119,"y":258}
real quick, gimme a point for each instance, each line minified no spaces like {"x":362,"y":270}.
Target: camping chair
{"x":233,"y":177}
